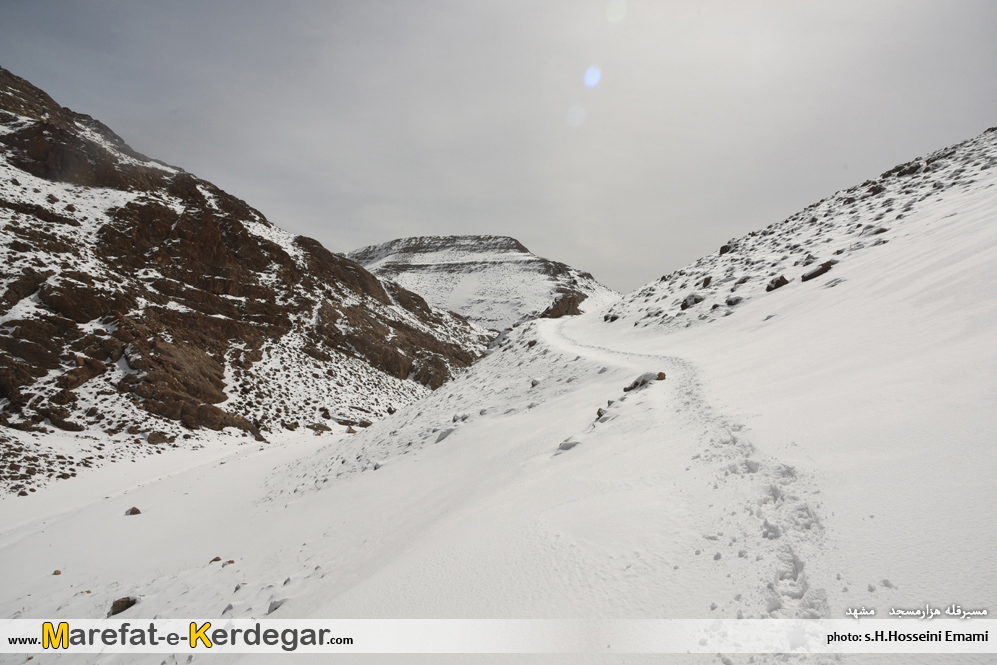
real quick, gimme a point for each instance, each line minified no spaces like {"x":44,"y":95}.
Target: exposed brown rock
{"x":158,"y":438}
{"x":818,"y":271}
{"x":566,"y":305}
{"x":87,"y":369}
{"x":690,"y":300}
{"x":188,"y":293}
{"x":120,"y":605}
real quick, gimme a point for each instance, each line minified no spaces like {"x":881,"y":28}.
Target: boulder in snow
{"x":690,"y":300}
{"x":121,"y":604}
{"x":818,"y":271}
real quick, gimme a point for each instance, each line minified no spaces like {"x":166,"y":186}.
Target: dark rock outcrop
{"x":818,"y":271}
{"x":120,"y":605}
{"x":566,"y":305}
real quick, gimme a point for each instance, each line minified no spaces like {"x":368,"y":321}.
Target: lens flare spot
{"x":592,"y":76}
{"x":576,"y":117}
{"x":616,"y":11}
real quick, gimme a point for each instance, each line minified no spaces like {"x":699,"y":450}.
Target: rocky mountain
{"x":813,"y":248}
{"x":140,"y":304}
{"x":493,"y":281}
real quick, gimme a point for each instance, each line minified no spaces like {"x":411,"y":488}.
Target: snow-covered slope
{"x":493,"y":281}
{"x":824,"y":447}
{"x":820,"y":449}
{"x":141,"y":306}
{"x":813,"y":248}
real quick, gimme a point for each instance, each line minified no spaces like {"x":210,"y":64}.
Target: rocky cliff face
{"x":491,"y":280}
{"x":143,"y":304}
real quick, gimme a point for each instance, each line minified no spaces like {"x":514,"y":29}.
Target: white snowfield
{"x":493,"y":281}
{"x":819,"y":449}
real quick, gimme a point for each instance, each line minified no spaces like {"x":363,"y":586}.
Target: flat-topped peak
{"x":491,"y":280}
{"x":427,"y":244}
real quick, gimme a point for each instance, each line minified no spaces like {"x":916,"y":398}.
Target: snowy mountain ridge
{"x":494,"y":281}
{"x":812,"y":248}
{"x":142,"y":308}
{"x":449,"y":249}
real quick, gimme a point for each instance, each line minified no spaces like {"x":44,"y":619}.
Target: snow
{"x":278,"y":236}
{"x":350,"y":390}
{"x":492,"y":281}
{"x":89,"y":133}
{"x":827,"y":445}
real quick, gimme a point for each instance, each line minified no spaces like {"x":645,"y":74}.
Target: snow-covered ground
{"x":818,"y":451}
{"x":828,"y":445}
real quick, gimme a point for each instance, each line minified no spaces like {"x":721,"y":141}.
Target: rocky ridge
{"x":493,"y":281}
{"x":140,"y":305}
{"x":810,"y":249}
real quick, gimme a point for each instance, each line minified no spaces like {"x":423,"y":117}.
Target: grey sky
{"x":360,"y":122}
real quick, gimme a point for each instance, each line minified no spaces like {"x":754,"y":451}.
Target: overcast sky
{"x":359,"y":122}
